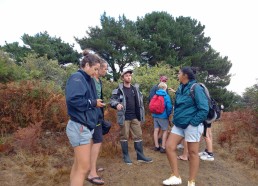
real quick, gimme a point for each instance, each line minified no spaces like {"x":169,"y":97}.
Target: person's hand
{"x":100,"y":103}
{"x":171,"y":90}
{"x":119,"y":107}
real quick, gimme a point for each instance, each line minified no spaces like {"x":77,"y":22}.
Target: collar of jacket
{"x":187,"y":86}
{"x":86,"y":76}
{"x":121,"y":85}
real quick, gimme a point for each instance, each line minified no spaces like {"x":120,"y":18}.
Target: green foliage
{"x":147,"y":77}
{"x":17,"y":52}
{"x":43,"y":44}
{"x":108,"y":87}
{"x":9,"y":71}
{"x":159,"y":37}
{"x":157,"y":30}
{"x":42,"y":68}
{"x":116,"y":41}
{"x":250,"y":97}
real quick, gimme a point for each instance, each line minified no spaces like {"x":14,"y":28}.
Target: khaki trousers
{"x":134,"y":126}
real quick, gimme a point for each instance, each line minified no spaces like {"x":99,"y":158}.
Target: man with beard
{"x":128,"y":100}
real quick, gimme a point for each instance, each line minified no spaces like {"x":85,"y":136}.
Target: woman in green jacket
{"x":189,"y":113}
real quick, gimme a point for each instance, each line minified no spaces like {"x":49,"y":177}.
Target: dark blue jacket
{"x":81,"y":99}
{"x":168,"y":105}
{"x":188,"y":111}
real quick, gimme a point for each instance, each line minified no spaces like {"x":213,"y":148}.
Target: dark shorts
{"x":97,"y":136}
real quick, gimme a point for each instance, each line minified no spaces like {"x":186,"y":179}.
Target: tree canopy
{"x":117,"y":41}
{"x":159,"y":37}
{"x":43,"y":44}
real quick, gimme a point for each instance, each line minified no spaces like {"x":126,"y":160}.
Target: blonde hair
{"x":163,"y":86}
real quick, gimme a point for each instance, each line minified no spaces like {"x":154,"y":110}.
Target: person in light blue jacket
{"x":161,"y":121}
{"x":189,"y":115}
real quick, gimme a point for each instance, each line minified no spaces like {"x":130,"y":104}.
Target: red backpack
{"x":157,"y":104}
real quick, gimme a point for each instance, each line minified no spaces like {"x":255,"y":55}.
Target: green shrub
{"x":9,"y":71}
{"x":147,"y":77}
{"x":42,"y":68}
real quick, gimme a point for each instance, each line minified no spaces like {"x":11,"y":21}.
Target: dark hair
{"x":90,"y":58}
{"x":190,"y":72}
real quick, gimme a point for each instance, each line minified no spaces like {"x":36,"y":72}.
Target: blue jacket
{"x":81,"y":99}
{"x":168,"y":105}
{"x":188,"y":110}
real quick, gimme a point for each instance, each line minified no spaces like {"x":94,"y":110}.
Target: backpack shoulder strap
{"x":192,"y":90}
{"x":206,"y":91}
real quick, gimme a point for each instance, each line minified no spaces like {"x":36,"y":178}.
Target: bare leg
{"x":94,"y":156}
{"x":164,"y":138}
{"x":208,"y":140}
{"x":160,"y":134}
{"x":193,"y":148}
{"x":156,"y":133}
{"x":81,"y":164}
{"x":73,"y":169}
{"x":171,"y":149}
{"x":185,"y":154}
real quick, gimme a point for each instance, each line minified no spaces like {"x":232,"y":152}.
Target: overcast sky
{"x":231,"y":24}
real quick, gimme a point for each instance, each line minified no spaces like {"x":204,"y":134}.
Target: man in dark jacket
{"x":128,"y":100}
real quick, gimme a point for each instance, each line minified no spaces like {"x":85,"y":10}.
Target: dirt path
{"x":217,"y":173}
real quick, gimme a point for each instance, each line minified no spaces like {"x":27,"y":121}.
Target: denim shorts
{"x":78,"y":134}
{"x":161,"y":123}
{"x":191,"y":133}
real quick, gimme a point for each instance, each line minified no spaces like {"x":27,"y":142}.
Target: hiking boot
{"x":156,"y":149}
{"x":208,"y":157}
{"x":126,"y":157}
{"x":191,"y":183}
{"x":162,"y":150}
{"x":173,"y":180}
{"x":139,"y":150}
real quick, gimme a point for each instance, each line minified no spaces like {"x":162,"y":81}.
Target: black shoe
{"x":139,"y":150}
{"x":126,"y":157}
{"x":162,"y":150}
{"x":156,"y":149}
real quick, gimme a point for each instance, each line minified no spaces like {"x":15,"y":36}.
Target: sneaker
{"x":156,"y":149}
{"x":204,"y":153}
{"x":180,"y":146}
{"x":208,"y":157}
{"x":191,"y":183}
{"x":162,"y":150}
{"x":173,"y":180}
